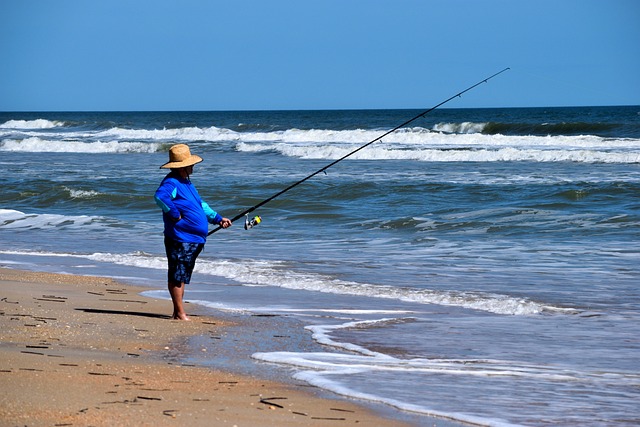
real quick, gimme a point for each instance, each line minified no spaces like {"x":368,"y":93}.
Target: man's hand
{"x":225,"y":223}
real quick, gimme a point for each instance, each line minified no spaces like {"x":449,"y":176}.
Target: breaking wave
{"x":38,"y":145}
{"x":532,"y":129}
{"x":451,"y":154}
{"x":31,"y":124}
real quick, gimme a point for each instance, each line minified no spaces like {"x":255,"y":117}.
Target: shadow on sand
{"x":126,"y":313}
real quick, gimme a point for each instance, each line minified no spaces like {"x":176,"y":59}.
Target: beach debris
{"x":123,"y":300}
{"x":32,"y":352}
{"x":272,"y":405}
{"x":54,"y":297}
{"x":148,"y":398}
{"x":125,"y":401}
{"x":341,"y":410}
{"x":43,"y":319}
{"x":170,"y":412}
{"x":328,"y":418}
{"x":51,"y":298}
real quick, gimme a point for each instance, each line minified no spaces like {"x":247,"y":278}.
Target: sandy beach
{"x":89,"y":351}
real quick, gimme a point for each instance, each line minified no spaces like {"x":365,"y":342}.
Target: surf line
{"x":257,"y":220}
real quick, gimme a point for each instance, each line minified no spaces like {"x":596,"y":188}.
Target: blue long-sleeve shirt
{"x":178,"y":197}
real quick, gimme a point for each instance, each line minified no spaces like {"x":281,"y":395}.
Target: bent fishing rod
{"x":257,"y":220}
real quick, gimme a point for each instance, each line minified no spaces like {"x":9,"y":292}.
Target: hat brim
{"x":192,"y":160}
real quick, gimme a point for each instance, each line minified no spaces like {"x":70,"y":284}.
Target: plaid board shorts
{"x":181,"y":257}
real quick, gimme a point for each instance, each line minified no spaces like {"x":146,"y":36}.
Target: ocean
{"x":480,"y":265}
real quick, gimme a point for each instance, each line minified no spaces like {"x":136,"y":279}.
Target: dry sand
{"x":87,"y":351}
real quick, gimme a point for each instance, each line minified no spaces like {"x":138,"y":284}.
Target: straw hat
{"x":180,"y":156}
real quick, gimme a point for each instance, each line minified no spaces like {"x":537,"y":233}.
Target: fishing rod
{"x":257,"y":219}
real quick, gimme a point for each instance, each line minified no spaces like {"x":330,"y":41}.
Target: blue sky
{"x":79,"y":55}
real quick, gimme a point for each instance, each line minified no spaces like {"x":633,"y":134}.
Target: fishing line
{"x":246,"y":212}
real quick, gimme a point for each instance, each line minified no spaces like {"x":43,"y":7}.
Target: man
{"x":186,"y":218}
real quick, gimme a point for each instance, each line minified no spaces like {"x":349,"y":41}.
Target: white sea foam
{"x":12,"y":219}
{"x":187,"y":134}
{"x":449,"y":155}
{"x":38,"y":145}
{"x":81,"y":194}
{"x":178,"y":134}
{"x":31,"y":124}
{"x":273,"y":273}
{"x":333,"y":371}
{"x":137,"y":259}
{"x":417,"y":137}
{"x":428,"y":146}
{"x":10,"y":214}
{"x":16,"y":220}
{"x":216,"y":134}
{"x":464,"y":127}
{"x":340,"y":311}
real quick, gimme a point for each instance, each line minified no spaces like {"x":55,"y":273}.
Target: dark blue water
{"x":481,"y":265}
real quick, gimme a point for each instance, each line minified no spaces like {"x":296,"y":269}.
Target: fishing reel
{"x":250,"y":223}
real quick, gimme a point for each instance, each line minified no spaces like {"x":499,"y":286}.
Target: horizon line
{"x":310,"y":109}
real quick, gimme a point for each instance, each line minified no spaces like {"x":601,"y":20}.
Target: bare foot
{"x":181,"y":316}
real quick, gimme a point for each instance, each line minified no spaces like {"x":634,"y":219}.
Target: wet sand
{"x":88,"y":351}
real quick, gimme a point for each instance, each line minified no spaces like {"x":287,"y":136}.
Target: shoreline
{"x":85,"y":350}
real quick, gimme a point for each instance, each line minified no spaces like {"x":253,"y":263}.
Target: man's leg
{"x":177,"y":294}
